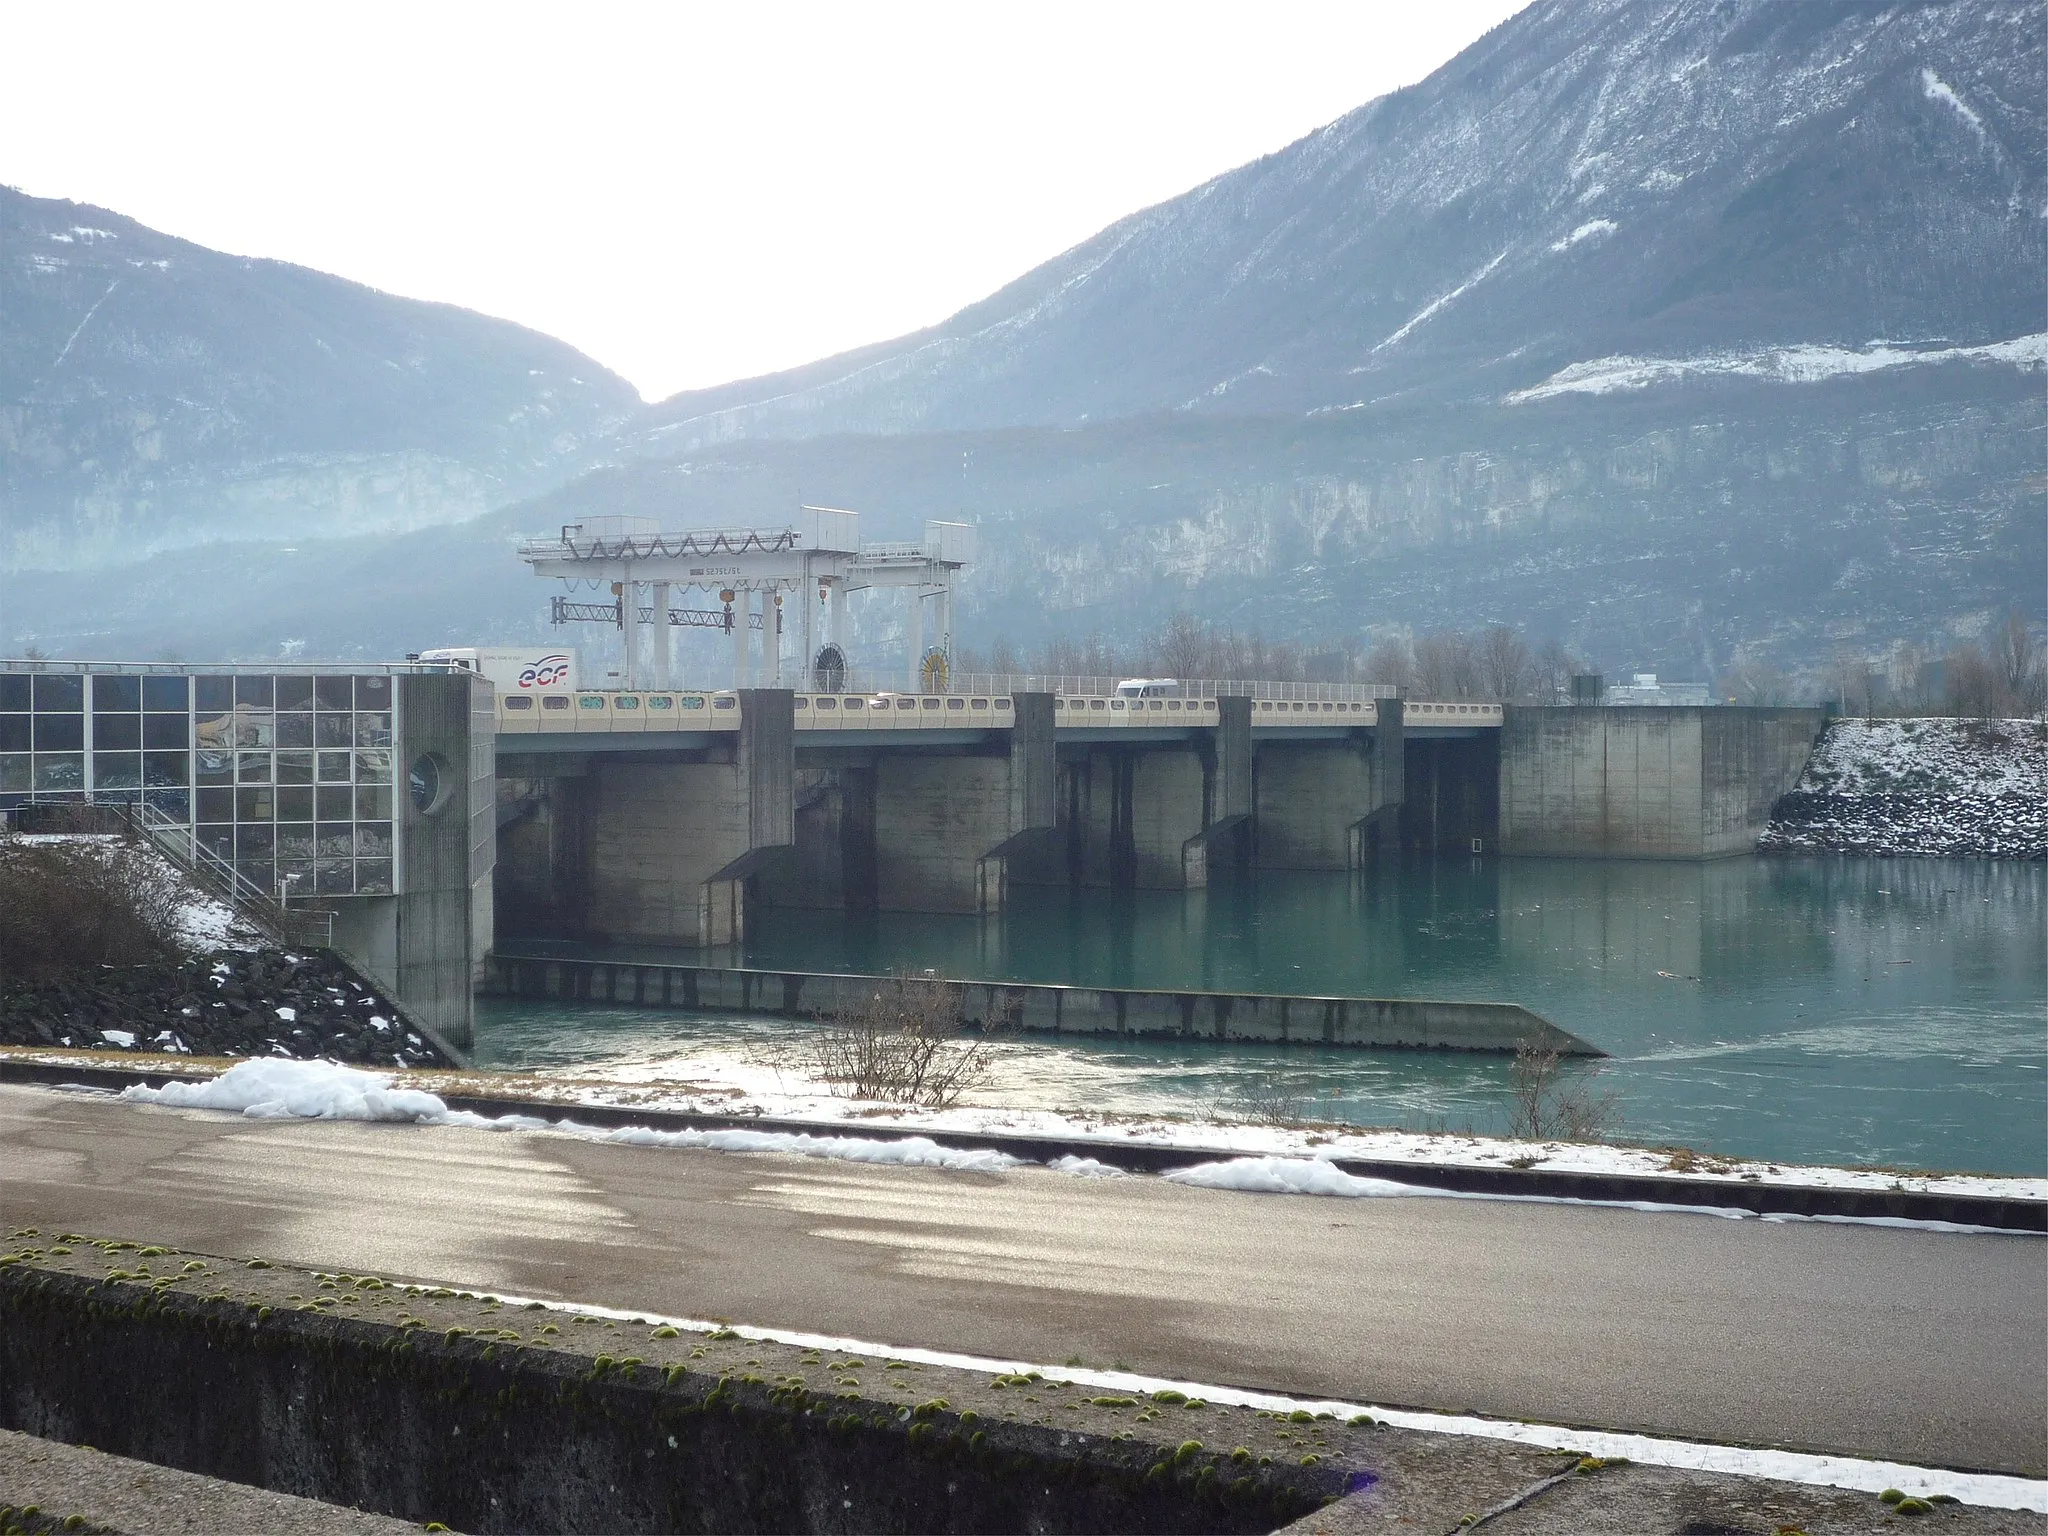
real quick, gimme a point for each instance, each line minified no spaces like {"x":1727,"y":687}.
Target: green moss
{"x":665,"y":1332}
{"x":1890,"y":1496}
{"x":1114,"y":1402}
{"x":1186,"y":1451}
{"x":1301,"y":1416}
{"x":1169,"y":1396}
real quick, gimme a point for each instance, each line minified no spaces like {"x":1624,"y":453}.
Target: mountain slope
{"x":156,"y":393}
{"x":1594,"y":177}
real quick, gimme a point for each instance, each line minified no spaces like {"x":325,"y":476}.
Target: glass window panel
{"x":334,"y":730}
{"x":295,"y":842}
{"x":111,"y":692}
{"x":295,"y":693}
{"x":14,"y":773}
{"x":213,"y":695}
{"x":59,"y":733}
{"x":295,"y":805}
{"x":254,"y":727}
{"x":167,"y":693}
{"x":255,"y":804}
{"x":373,"y":877}
{"x":252,"y":768}
{"x":337,"y":877}
{"x":295,"y":730}
{"x":260,"y":873}
{"x":115,"y":733}
{"x":174,"y":803}
{"x":116,"y":770}
{"x":373,"y":765}
{"x":256,"y":692}
{"x":373,"y":802}
{"x":337,"y":840}
{"x":216,"y":767}
{"x":166,"y":768}
{"x":14,"y":733}
{"x":214,"y":730}
{"x":166,"y":730}
{"x":216,"y":805}
{"x":294,"y":767}
{"x":255,"y":840}
{"x":60,"y":770}
{"x":373,"y":839}
{"x":294,"y":877}
{"x":56,"y":693}
{"x":334,"y":767}
{"x":375,"y":730}
{"x":334,"y":693}
{"x":373,"y":693}
{"x":337,"y":803}
{"x":217,"y":840}
{"x":13,"y":691}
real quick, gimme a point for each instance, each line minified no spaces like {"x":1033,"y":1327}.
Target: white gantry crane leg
{"x":771,"y":633}
{"x":629,"y":634}
{"x":738,"y":609}
{"x":944,"y":616}
{"x":916,"y":639}
{"x":663,"y":675}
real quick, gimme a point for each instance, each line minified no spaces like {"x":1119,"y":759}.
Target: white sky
{"x":689,"y":193}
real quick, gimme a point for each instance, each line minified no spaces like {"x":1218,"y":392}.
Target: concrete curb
{"x":2013,"y":1215}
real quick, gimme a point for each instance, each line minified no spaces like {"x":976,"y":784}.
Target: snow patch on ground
{"x":1803,"y":364}
{"x":204,"y":922}
{"x":1585,"y":232}
{"x":1934,"y":88}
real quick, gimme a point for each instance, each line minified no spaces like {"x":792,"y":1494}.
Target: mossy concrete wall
{"x":459,"y":1428}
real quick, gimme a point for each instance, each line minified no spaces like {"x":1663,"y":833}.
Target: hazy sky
{"x":689,"y":193}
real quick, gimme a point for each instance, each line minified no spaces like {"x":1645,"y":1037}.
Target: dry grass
{"x":1547,"y":1104}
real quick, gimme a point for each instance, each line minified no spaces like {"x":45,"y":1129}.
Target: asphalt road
{"x":1923,"y":1347}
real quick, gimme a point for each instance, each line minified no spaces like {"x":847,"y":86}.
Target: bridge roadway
{"x":1919,"y":1346}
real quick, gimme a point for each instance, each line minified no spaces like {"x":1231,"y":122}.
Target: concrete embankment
{"x":1040,"y":1008}
{"x":432,"y":1405}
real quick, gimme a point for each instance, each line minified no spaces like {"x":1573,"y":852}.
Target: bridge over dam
{"x":662,"y":817}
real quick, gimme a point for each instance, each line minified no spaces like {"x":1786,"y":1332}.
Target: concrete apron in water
{"x":1041,"y":1008}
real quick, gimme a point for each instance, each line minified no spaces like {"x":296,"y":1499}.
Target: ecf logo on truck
{"x":545,"y":673}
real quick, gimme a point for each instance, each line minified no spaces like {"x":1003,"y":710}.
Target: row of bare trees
{"x":1491,"y":663}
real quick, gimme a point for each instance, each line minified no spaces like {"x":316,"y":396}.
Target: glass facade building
{"x":290,"y":776}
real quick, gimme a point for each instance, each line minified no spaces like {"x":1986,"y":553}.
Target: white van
{"x":1149,"y":688}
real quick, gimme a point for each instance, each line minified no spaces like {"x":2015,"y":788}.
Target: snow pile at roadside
{"x":297,"y":1090}
{"x":1923,"y":786}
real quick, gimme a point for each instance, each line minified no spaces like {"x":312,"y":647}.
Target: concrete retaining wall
{"x":1394,"y":1023}
{"x":459,"y":1428}
{"x":1682,"y":783}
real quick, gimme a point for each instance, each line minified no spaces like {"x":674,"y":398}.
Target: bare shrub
{"x":1271,"y":1098}
{"x":903,"y":1043}
{"x":69,"y":907}
{"x":1547,"y":1104}
{"x":1503,"y":663}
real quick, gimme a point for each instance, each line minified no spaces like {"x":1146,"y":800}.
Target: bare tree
{"x":1389,"y":662}
{"x":1554,"y":666}
{"x":1970,"y":683}
{"x":2016,"y":658}
{"x":1184,"y":648}
{"x":1446,"y":666}
{"x":1756,"y":684}
{"x":1546,"y":1104}
{"x":903,"y":1043}
{"x":1503,"y":662}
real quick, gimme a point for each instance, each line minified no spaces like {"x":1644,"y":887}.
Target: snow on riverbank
{"x":205,"y":924}
{"x":1258,"y":1158}
{"x":1923,"y":786}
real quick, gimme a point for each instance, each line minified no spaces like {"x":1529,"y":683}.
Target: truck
{"x":513,"y":669}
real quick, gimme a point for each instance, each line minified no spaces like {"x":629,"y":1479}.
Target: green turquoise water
{"x":1801,"y":1009}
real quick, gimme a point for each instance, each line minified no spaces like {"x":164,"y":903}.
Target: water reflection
{"x":1814,"y":1009}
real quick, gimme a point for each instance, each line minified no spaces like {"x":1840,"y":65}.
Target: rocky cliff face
{"x":154,"y":393}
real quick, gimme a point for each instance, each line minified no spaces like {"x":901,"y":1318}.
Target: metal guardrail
{"x":222,"y":880}
{"x":1210,"y":688}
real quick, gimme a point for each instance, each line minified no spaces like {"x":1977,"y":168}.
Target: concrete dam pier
{"x":1037,"y":1008}
{"x":664,"y":819}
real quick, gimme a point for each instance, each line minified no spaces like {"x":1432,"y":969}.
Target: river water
{"x":1821,"y":1009}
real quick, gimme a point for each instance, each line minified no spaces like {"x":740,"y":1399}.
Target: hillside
{"x":154,"y":393}
{"x":1688,"y":332}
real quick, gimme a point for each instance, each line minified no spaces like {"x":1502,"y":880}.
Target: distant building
{"x":1645,"y":689}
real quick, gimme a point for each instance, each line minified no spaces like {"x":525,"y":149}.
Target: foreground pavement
{"x":1906,"y":1345}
